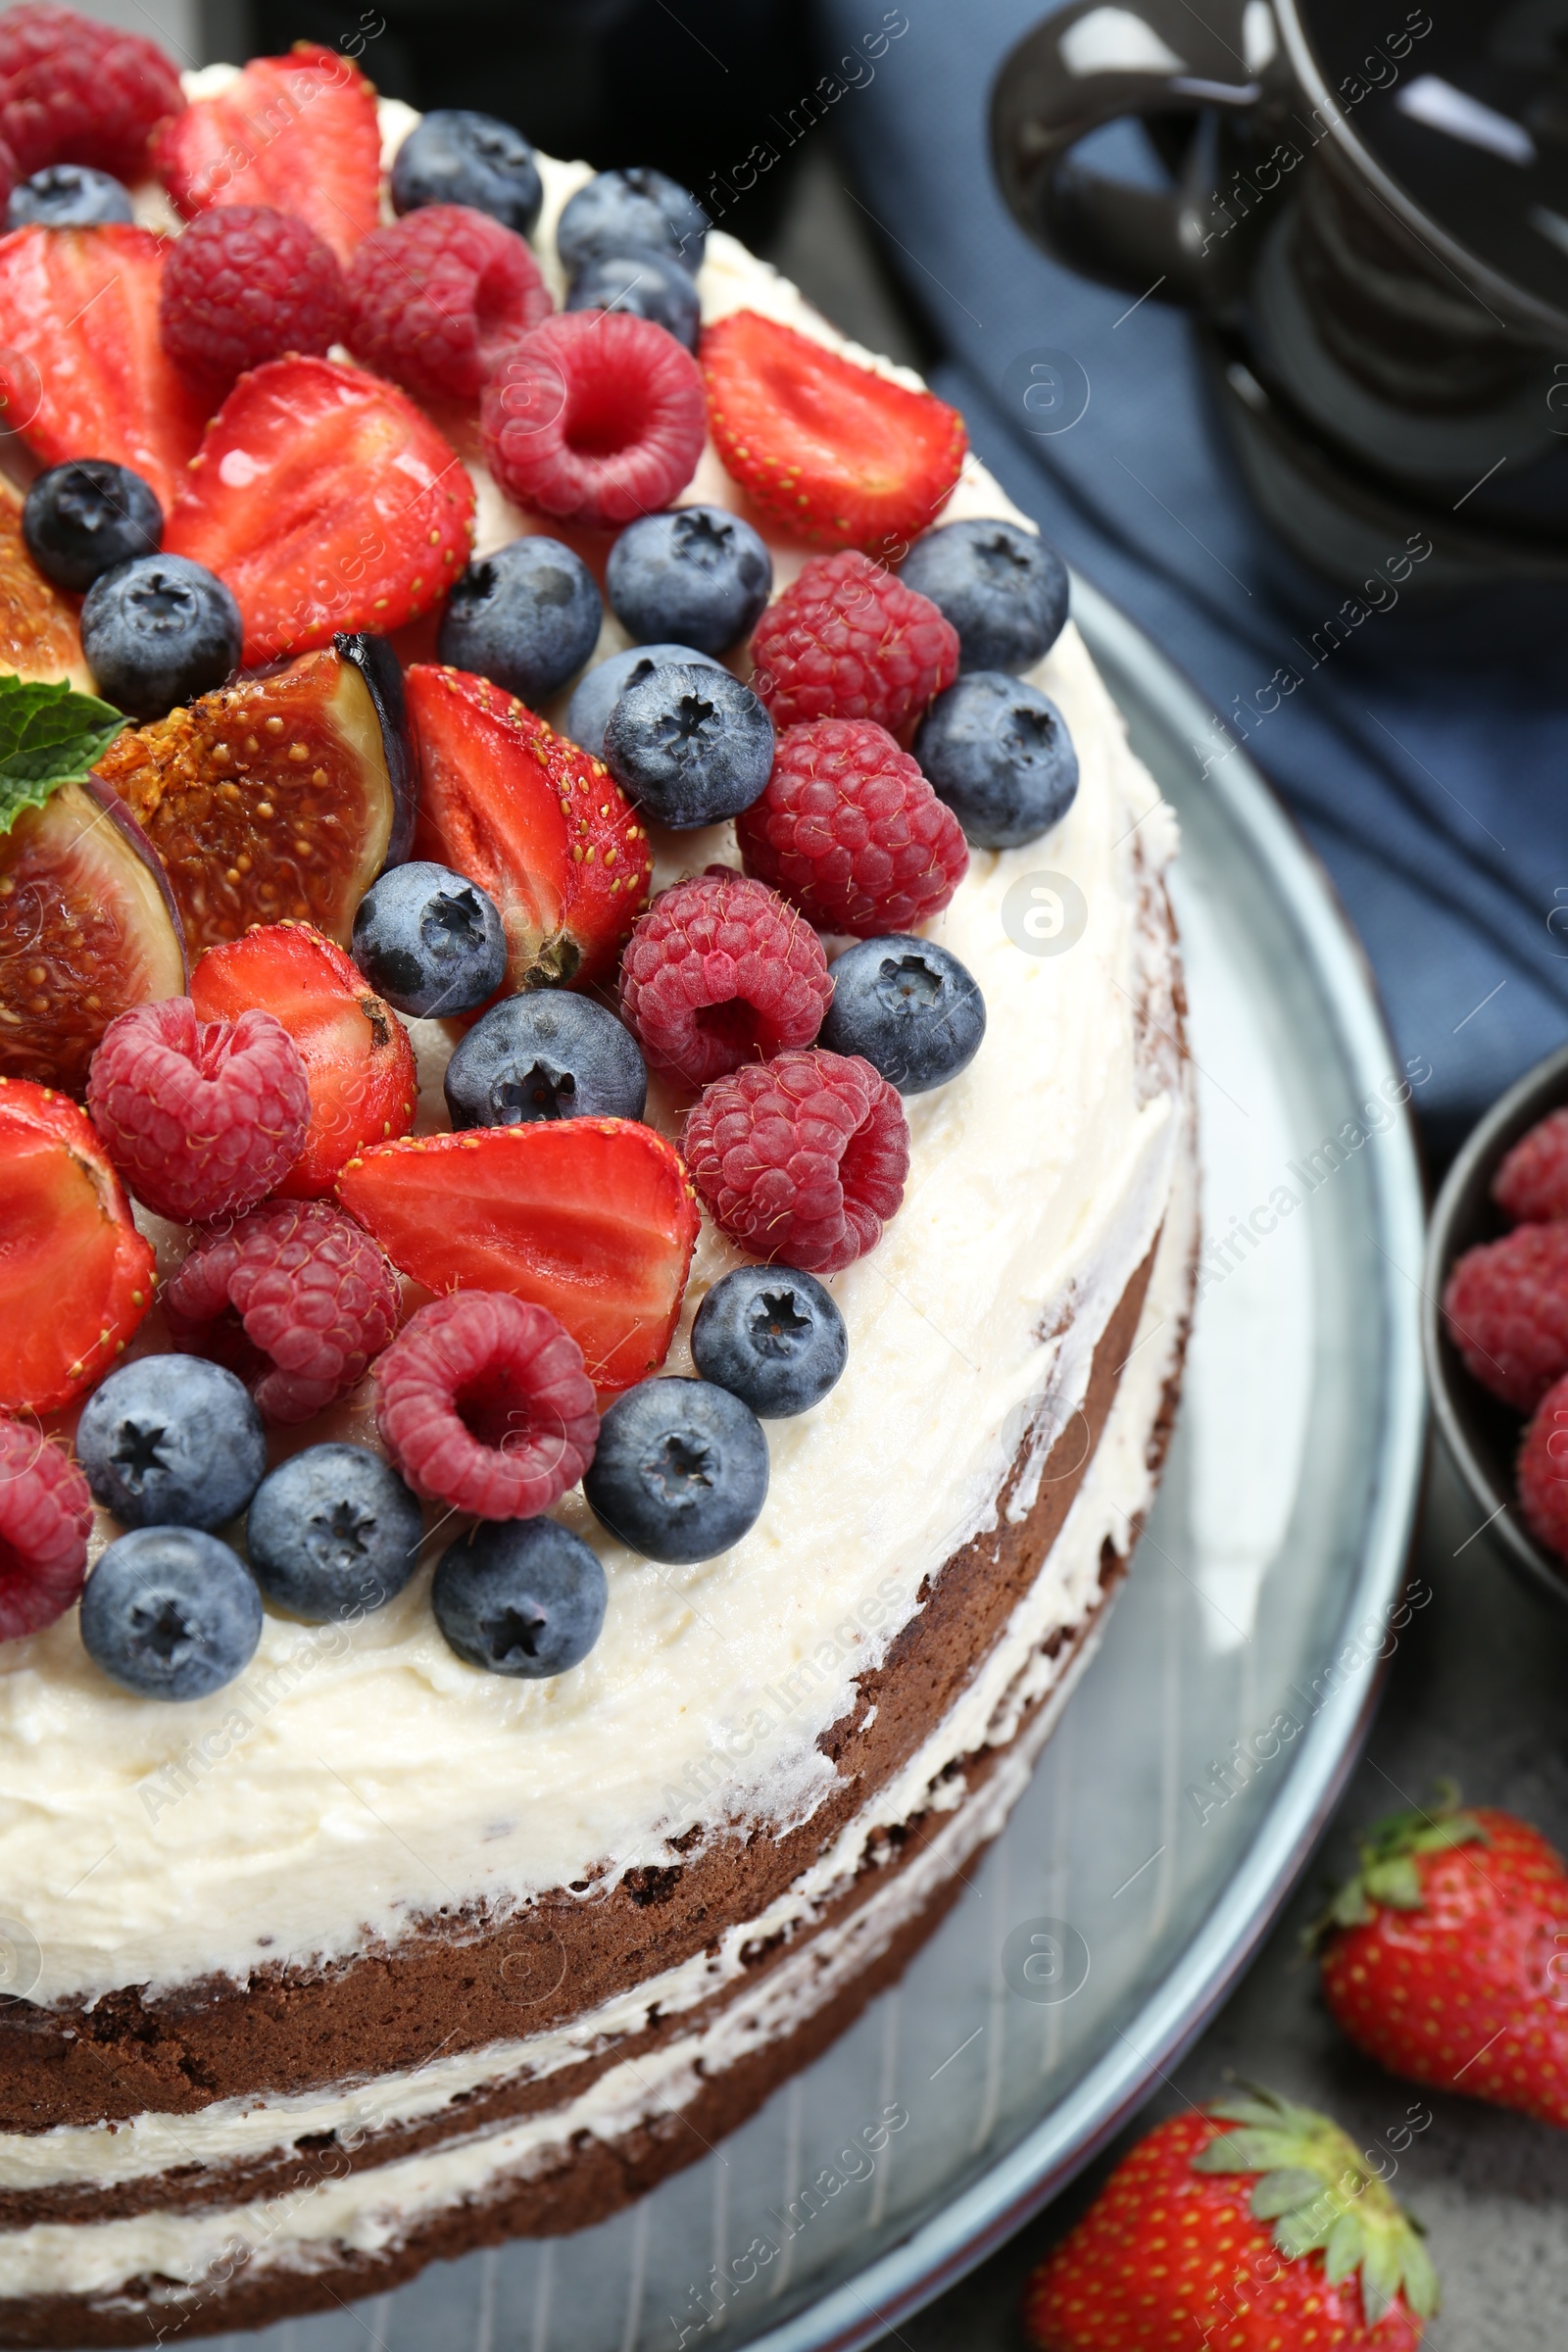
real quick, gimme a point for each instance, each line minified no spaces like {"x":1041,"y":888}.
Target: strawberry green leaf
{"x":1397,"y":1884}
{"x":1382,"y":2269}
{"x":1236,"y":2152}
{"x":49,"y":735}
{"x":1306,"y":2229}
{"x":1349,"y":1909}
{"x":1280,"y":2193}
{"x":1390,"y":1854}
{"x":1264,"y":2109}
{"x":1322,"y":2196}
{"x":1419,"y":2278}
{"x":1344,"y":2250}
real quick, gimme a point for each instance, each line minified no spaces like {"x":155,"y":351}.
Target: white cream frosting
{"x":47,"y":2257}
{"x":352,"y":1782}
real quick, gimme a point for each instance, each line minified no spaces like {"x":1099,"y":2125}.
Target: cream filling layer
{"x":357,"y":1780}
{"x":1019,"y":1672}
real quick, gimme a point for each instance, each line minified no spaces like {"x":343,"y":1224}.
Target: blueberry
{"x":170,"y":1613}
{"x":454,"y":156}
{"x":157,"y":631}
{"x":429,"y":941}
{"x":333,"y":1531}
{"x":522,"y":1596}
{"x":647,"y":283}
{"x":1004,"y":591}
{"x":772,"y":1337}
{"x":527,"y":617}
{"x":172,"y":1441}
{"x":699,"y":574}
{"x":545,"y":1056}
{"x":67,"y":196}
{"x":600,"y":688}
{"x":681,"y":1471}
{"x":909,"y":1007}
{"x":639,"y":207}
{"x":82,"y":518}
{"x":998,"y":752}
{"x":693,"y":745}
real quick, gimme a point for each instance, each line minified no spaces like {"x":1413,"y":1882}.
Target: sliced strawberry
{"x":82,"y":373}
{"x":592,"y":1218}
{"x":839,"y":455}
{"x":326,"y":501}
{"x":356,"y":1055}
{"x":76,"y":1276}
{"x":297,"y":131}
{"x":535,"y":821}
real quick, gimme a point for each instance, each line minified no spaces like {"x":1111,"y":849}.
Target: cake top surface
{"x":357,"y":1777}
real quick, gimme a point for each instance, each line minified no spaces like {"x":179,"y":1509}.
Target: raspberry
{"x":802,"y":1158}
{"x":1530,"y":1185}
{"x":45,"y":1516}
{"x":1543,"y":1471}
{"x":851,"y":832}
{"x":1506,"y":1309}
{"x":483,"y":1403}
{"x":720,"y":971}
{"x":438,"y":297}
{"x":72,"y":91}
{"x":851,"y":641}
{"x":596,"y":416}
{"x":295,"y":1298}
{"x":201,"y":1118}
{"x":245,"y":284}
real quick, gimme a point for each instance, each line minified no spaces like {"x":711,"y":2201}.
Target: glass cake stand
{"x":1202,"y":1750}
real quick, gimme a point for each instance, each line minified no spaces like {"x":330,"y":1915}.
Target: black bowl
{"x":1481,"y":1435}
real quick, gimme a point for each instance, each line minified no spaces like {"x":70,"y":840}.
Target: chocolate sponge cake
{"x":368,"y":1956}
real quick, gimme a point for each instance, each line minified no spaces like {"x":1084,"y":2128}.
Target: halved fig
{"x":39,"y":634}
{"x":276,"y":798}
{"x":379,"y":665}
{"x":88,"y":927}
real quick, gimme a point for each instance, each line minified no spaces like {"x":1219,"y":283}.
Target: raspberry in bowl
{"x":1494,"y":1284}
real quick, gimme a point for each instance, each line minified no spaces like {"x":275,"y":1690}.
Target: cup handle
{"x":1090,"y":64}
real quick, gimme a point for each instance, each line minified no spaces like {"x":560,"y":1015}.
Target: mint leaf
{"x":49,"y":735}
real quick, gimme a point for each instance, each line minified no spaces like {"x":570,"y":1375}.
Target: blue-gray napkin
{"x":1424,"y":752}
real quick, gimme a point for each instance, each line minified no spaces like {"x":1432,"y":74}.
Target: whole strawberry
{"x":1267,"y":2237}
{"x":1445,"y":1957}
